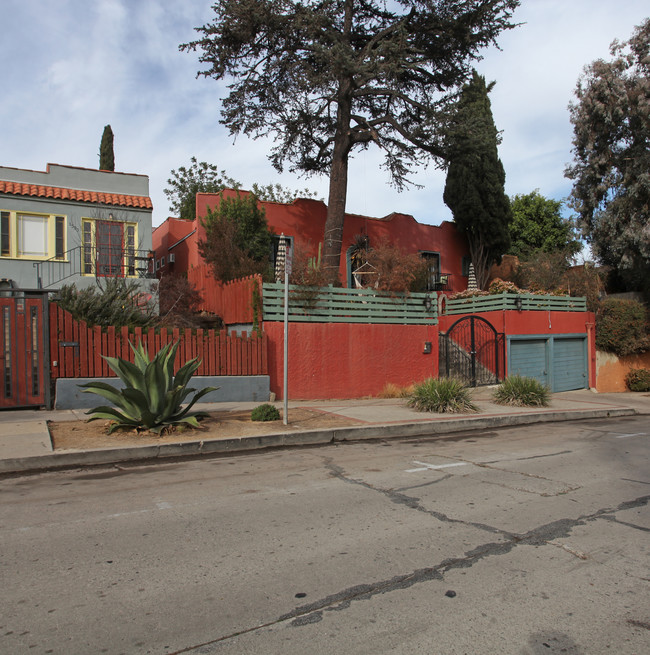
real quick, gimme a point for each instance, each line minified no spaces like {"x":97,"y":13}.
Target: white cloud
{"x":73,"y":66}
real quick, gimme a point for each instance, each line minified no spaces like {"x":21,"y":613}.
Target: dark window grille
{"x":433,"y":269}
{"x":4,"y":233}
{"x":87,"y":248}
{"x":59,"y":237}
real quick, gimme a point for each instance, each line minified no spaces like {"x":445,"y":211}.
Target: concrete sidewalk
{"x":25,"y":444}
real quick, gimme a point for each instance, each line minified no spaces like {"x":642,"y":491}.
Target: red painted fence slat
{"x":78,"y":349}
{"x":232,"y":301}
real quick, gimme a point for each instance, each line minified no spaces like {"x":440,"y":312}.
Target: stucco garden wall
{"x":343,"y":360}
{"x":611,"y":370}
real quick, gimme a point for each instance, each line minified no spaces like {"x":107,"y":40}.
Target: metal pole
{"x":285,"y":391}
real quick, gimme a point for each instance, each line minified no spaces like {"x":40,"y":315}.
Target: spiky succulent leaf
{"x":152,"y":398}
{"x":168,"y":358}
{"x":113,"y":414}
{"x":173,"y":401}
{"x":141,"y":402}
{"x":122,"y":424}
{"x":109,"y":392}
{"x":198,"y":395}
{"x":129,"y":373}
{"x":157,"y":386}
{"x":185,"y":372}
{"x":191,"y":420}
{"x":141,"y":357}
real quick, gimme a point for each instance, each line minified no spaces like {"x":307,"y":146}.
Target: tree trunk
{"x":480,"y":259}
{"x":338,"y":190}
{"x":333,"y":237}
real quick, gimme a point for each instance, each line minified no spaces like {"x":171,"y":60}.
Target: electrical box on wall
{"x":427,"y":348}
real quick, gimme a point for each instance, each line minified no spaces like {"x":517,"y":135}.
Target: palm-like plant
{"x":152,"y":397}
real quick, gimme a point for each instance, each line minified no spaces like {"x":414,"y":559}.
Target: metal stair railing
{"x":98,"y":262}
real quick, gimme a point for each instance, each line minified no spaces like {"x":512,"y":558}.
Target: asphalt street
{"x":519,"y":540}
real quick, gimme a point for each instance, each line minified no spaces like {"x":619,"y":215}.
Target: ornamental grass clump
{"x":152,"y":397}
{"x":443,"y":395}
{"x":521,"y":391}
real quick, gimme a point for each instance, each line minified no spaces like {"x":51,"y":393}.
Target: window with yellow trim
{"x":31,"y":235}
{"x":108,"y":247}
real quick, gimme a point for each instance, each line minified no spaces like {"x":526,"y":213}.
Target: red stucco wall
{"x":170,"y":237}
{"x":539,"y":323}
{"x":304,"y":220}
{"x":342,"y":360}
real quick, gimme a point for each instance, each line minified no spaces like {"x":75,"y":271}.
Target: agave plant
{"x":152,"y":397}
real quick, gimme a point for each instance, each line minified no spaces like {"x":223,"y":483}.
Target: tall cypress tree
{"x":475,"y":187}
{"x":106,"y":156}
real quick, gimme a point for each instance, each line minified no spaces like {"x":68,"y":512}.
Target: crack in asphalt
{"x":426,"y":484}
{"x":399,"y":498}
{"x":613,"y":519}
{"x":539,"y":536}
{"x":313,"y":612}
{"x":637,"y":481}
{"x":523,"y":459}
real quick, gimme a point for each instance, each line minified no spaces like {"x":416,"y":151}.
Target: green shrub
{"x":443,"y":395}
{"x":117,"y":302}
{"x":521,"y":391}
{"x":621,"y":327}
{"x":638,"y":379}
{"x":265,"y":412}
{"x":152,"y":397}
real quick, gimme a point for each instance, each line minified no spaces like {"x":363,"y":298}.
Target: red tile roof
{"x":58,"y":193}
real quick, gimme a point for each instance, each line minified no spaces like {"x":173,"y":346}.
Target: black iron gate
{"x":472,"y":351}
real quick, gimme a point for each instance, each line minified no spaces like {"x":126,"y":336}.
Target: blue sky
{"x":69,"y":67}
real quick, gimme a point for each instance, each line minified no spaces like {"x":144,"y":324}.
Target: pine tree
{"x":328,"y":78}
{"x":474,"y":190}
{"x":106,"y":156}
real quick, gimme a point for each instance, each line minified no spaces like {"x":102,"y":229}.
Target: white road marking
{"x":636,"y":434}
{"x":433,"y":467}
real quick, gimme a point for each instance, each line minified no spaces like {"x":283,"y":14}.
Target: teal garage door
{"x":558,"y":362}
{"x":569,"y":364}
{"x":527,"y":357}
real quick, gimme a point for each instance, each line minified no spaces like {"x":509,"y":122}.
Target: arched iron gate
{"x":472,"y":351}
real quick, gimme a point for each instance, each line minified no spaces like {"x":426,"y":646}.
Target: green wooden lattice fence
{"x":529,"y":302}
{"x":335,"y":305}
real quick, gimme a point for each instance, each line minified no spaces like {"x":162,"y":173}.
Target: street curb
{"x":190,"y":449}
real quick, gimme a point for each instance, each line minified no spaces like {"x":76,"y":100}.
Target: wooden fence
{"x":529,"y":302}
{"x":232,"y":301}
{"x":334,"y":305}
{"x":76,"y":350}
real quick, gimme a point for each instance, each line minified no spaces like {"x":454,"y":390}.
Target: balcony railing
{"x":96,"y":262}
{"x":441,"y":282}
